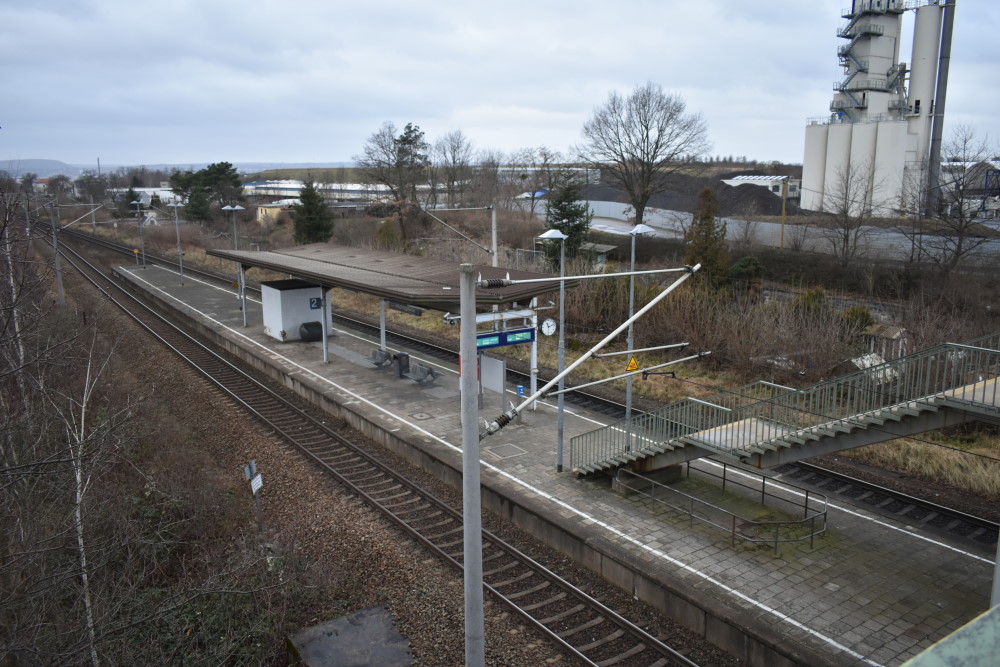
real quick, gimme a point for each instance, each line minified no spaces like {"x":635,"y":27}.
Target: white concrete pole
{"x":243,"y":292}
{"x":629,"y":344}
{"x":561,"y":400}
{"x":475,"y":651}
{"x":534,"y":352}
{"x":325,"y":315}
{"x":381,"y":324}
{"x":180,"y":253}
{"x":496,"y":257}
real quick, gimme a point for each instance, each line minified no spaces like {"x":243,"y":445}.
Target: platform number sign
{"x":315,"y":303}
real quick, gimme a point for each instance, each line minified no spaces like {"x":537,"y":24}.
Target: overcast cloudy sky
{"x":187,"y":81}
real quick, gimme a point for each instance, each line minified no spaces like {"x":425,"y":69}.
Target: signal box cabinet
{"x":288,"y":304}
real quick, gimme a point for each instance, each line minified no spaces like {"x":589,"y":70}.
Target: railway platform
{"x":871,"y":591}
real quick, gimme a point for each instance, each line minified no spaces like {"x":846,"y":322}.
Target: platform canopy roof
{"x":408,"y":279}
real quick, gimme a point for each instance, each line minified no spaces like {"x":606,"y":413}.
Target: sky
{"x":189,"y":82}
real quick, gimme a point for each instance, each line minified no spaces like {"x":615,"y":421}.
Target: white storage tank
{"x":288,"y":304}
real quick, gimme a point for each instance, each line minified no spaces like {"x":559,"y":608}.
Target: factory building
{"x":875,"y":153}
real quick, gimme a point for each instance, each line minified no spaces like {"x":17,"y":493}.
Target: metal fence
{"x":813,"y":507}
{"x":742,"y":422}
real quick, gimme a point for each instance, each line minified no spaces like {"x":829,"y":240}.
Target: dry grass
{"x":955,"y":468}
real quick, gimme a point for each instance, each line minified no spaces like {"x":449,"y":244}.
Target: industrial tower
{"x":879,"y":150}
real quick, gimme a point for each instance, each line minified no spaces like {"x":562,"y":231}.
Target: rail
{"x":814,"y":507}
{"x":748,"y":422}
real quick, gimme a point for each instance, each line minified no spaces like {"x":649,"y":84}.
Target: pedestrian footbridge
{"x":765,"y":425}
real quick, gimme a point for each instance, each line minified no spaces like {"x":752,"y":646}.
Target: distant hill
{"x":44,"y":168}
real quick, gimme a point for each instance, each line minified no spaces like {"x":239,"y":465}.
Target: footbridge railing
{"x":763,"y":416}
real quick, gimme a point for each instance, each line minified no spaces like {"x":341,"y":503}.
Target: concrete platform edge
{"x":736,"y":630}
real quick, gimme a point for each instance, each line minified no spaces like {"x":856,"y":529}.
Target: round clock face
{"x":548,"y":326}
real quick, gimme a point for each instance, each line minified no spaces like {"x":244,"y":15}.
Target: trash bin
{"x":310,"y":332}
{"x":401,"y":363}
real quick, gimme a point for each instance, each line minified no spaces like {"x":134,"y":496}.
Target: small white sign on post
{"x":256,"y":483}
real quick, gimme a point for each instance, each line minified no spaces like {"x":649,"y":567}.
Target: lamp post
{"x":560,"y":404}
{"x":142,"y":242}
{"x":234,"y":208}
{"x":177,"y":228}
{"x":634,"y":232}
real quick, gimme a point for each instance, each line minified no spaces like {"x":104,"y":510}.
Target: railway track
{"x":930,"y":516}
{"x":562,"y":613}
{"x":888,"y":502}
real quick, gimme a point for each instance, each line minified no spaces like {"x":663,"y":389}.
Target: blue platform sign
{"x":501,"y":338}
{"x":315,"y":303}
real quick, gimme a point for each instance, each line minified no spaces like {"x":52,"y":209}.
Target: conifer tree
{"x":706,"y":239}
{"x":564,"y":211}
{"x":313,"y":220}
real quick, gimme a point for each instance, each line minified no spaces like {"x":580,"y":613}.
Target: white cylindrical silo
{"x":890,"y":160}
{"x":924,"y":60}
{"x":838,"y":164}
{"x":856,"y":184}
{"x":813,"y":166}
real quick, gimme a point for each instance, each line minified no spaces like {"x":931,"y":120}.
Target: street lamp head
{"x":136,"y":202}
{"x":553,"y":234}
{"x":237,"y":207}
{"x":175,"y":205}
{"x":641,"y":229}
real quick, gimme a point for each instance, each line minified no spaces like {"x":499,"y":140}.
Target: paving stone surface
{"x":870,"y":591}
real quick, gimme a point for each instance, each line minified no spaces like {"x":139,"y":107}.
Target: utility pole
{"x":784,"y":206}
{"x":475,"y":650}
{"x":55,"y":252}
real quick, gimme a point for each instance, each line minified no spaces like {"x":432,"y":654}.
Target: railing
{"x":768,"y":531}
{"x":962,"y":374}
{"x":733,"y":422}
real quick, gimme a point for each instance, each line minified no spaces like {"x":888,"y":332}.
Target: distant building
{"x":772,"y":183}
{"x":874,"y":148}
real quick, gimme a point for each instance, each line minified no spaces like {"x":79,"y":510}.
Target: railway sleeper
{"x":540,"y":587}
{"x":502,"y":568}
{"x":410,"y":499}
{"x":563,"y":614}
{"x":443,"y":522}
{"x":445,"y":533}
{"x":561,"y":595}
{"x":401,"y":512}
{"x":617,"y":634}
{"x":597,"y":620}
{"x":621,"y":657}
{"x":521,"y":577}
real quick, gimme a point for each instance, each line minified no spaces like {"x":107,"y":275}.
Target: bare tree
{"x":452,"y":161}
{"x":746,"y":225}
{"x":642,"y":139}
{"x":849,"y":207}
{"x":955,"y":234}
{"x":399,"y":162}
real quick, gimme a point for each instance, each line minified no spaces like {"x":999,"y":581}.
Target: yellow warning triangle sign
{"x":632,"y":365}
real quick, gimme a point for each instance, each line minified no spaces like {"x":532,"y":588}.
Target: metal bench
{"x":380,"y":357}
{"x":422,"y":374}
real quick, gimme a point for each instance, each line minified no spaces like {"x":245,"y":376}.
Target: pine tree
{"x":198,"y":207}
{"x":564,"y":211}
{"x":313,"y":220}
{"x":706,"y":239}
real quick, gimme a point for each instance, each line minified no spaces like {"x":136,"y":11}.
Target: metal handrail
{"x":739,"y":527}
{"x":760,"y":415}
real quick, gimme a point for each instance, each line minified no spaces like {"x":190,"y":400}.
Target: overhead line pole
{"x":502,"y":420}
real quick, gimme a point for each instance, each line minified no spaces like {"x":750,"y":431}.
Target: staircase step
{"x":901,"y":409}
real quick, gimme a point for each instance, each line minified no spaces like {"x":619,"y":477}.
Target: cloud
{"x":304,"y":80}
